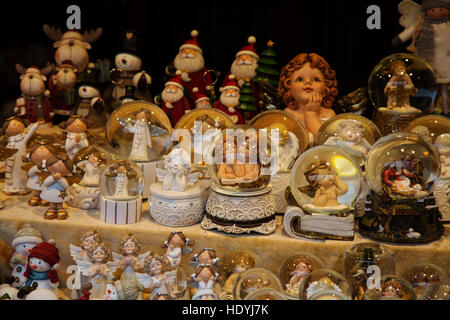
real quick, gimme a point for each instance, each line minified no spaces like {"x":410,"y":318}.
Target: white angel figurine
{"x":92,"y":167}
{"x":76,"y":135}
{"x":443,"y":147}
{"x":130,"y":259}
{"x":121,"y":183}
{"x":205,"y":278}
{"x":99,"y":269}
{"x":143,"y":131}
{"x":176,"y":175}
{"x":288,"y":146}
{"x":176,"y":246}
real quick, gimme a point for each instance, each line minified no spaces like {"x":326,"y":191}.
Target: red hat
{"x":47,"y":252}
{"x":230,"y":83}
{"x":198,"y":96}
{"x":249,"y":49}
{"x":192,"y":43}
{"x":176,"y":81}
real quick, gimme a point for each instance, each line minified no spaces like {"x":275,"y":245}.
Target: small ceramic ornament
{"x":206,"y":256}
{"x":205,"y":277}
{"x":177,"y":245}
{"x":201,"y":100}
{"x":175,"y":104}
{"x":442,"y":143}
{"x":323,"y":280}
{"x":123,"y":290}
{"x":229,"y":99}
{"x":76,"y":139}
{"x":62,"y":89}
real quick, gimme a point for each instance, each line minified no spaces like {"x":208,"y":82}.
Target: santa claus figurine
{"x":244,"y":68}
{"x":201,"y":99}
{"x":190,"y":62}
{"x":229,"y":100}
{"x":174,"y":103}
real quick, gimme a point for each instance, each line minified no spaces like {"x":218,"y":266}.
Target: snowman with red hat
{"x":229,"y":100}
{"x":174,"y":103}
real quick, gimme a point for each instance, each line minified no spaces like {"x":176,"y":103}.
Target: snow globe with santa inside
{"x":121,"y":185}
{"x":140,"y":131}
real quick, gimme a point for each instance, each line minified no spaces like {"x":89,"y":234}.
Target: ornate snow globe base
{"x":177,"y":209}
{"x":239,"y":213}
{"x":120,"y":212}
{"x":149,"y":172}
{"x":393,"y":122}
{"x":442,"y":195}
{"x":83,"y":197}
{"x":279,"y":184}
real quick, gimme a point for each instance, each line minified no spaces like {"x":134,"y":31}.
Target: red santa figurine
{"x":190,"y":62}
{"x":175,"y":103}
{"x":229,"y":100}
{"x":244,"y":68}
{"x":201,"y":99}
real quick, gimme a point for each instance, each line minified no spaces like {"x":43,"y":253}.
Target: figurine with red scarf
{"x":174,"y":102}
{"x":229,"y":100}
{"x":191,"y":63}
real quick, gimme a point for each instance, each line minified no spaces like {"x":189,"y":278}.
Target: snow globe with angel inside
{"x":241,"y":162}
{"x":141,"y":132}
{"x":402,"y":170}
{"x":401,"y":87}
{"x":121,"y":184}
{"x":293,"y":140}
{"x":324,"y":187}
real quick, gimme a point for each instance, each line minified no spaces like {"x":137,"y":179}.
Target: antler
{"x":48,"y":68}
{"x":20,"y":69}
{"x":92,"y":35}
{"x":53,"y":33}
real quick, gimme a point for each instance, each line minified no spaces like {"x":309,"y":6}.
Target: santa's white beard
{"x":229,"y":101}
{"x":172,"y":97}
{"x":189,"y":64}
{"x":244,"y":70}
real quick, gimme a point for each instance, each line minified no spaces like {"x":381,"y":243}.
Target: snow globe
{"x":357,"y":262}
{"x":141,"y":132}
{"x":294,"y":270}
{"x":435,"y":129}
{"x":401,"y":87}
{"x":391,"y":288}
{"x":402,"y":169}
{"x":423,"y":275}
{"x":324,"y":280}
{"x":254,"y":279}
{"x":293,"y":139}
{"x":324,"y":187}
{"x":265,"y":294}
{"x":89,"y":161}
{"x":241,"y":162}
{"x":121,"y":184}
{"x":441,"y":292}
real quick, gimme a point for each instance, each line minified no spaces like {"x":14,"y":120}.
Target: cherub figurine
{"x":76,"y":139}
{"x":308,"y":87}
{"x":204,"y":130}
{"x":206,"y":256}
{"x":288,"y":146}
{"x":17,"y":137}
{"x":443,"y":147}
{"x":92,"y":167}
{"x":121,"y":173}
{"x":175,"y":175}
{"x":324,"y":184}
{"x":399,"y":88}
{"x":301,"y":268}
{"x":205,"y":276}
{"x":143,"y":130}
{"x":131,"y":260}
{"x":350,"y":135}
{"x":176,"y":246}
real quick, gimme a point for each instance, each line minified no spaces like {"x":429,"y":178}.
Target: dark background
{"x":334,"y":29}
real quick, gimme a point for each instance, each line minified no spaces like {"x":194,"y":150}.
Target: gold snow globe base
{"x":389,"y":122}
{"x":242,"y":212}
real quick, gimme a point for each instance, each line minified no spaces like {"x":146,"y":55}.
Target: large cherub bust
{"x":308,"y":87}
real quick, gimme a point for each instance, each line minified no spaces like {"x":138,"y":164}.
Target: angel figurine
{"x":205,"y":257}
{"x":288,"y":146}
{"x":76,"y":135}
{"x":175,"y":175}
{"x":204,"y":130}
{"x":157,"y":280}
{"x":143,"y":130}
{"x":176,"y":246}
{"x":92,"y":167}
{"x":205,"y":277}
{"x":131,"y":260}
{"x":443,"y":147}
{"x":301,"y":268}
{"x":121,"y":183}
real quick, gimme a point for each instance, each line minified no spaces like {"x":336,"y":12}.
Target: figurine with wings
{"x":428,"y":27}
{"x":176,"y":246}
{"x":289,"y":146}
{"x":143,"y":130}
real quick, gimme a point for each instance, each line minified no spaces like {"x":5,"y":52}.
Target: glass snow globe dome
{"x":391,"y":288}
{"x":354,"y":133}
{"x":326,"y":179}
{"x":402,"y":83}
{"x":292,"y":134}
{"x":295,"y":269}
{"x":241,"y":159}
{"x":324,"y":280}
{"x":429,"y":127}
{"x":402,"y":165}
{"x":121,"y":180}
{"x":254,"y":279}
{"x":265,"y":294}
{"x":441,"y":292}
{"x":138,"y":131}
{"x":423,"y":275}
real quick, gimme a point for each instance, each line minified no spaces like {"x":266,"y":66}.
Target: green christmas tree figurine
{"x":267,"y":69}
{"x":246,"y":100}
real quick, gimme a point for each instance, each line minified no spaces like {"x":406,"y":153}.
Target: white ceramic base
{"x":83,"y":197}
{"x":120,"y":212}
{"x":279,"y":184}
{"x":149,"y":173}
{"x":442,"y":195}
{"x":177,"y":209}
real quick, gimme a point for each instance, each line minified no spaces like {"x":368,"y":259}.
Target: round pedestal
{"x":240,"y":213}
{"x":149,"y":173}
{"x":389,"y":122}
{"x":442,"y":195}
{"x":174,"y":208}
{"x":279,"y":184}
{"x":120,"y":212}
{"x":83,"y":197}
